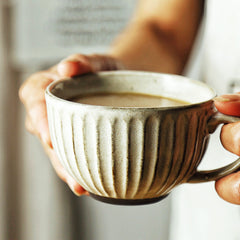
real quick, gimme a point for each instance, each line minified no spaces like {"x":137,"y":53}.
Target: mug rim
{"x":48,"y":91}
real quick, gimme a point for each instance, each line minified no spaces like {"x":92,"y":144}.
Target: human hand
{"x":228,"y":187}
{"x":32,"y":95}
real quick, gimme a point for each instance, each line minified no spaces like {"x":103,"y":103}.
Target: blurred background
{"x":34,"y":203}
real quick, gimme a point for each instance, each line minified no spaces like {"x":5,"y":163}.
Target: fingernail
{"x":74,"y":186}
{"x":221,"y":99}
{"x":78,"y":189}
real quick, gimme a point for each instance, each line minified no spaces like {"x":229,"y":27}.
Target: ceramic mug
{"x":133,"y":155}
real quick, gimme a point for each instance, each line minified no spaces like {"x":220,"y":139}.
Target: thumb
{"x":79,"y":64}
{"x":228,"y":188}
{"x":74,"y":65}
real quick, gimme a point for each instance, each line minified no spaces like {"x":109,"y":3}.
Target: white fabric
{"x":197,"y":211}
{"x":221,"y":60}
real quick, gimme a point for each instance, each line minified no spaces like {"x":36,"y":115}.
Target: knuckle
{"x":33,"y":90}
{"x":28,"y":126}
{"x":23,"y":92}
{"x":26,"y":87}
{"x":31,"y":128}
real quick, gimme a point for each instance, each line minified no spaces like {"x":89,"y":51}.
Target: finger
{"x":79,"y":64}
{"x":228,"y":104}
{"x":228,"y":188}
{"x":62,"y":173}
{"x":74,"y":65}
{"x":29,"y":126}
{"x":38,"y":115}
{"x":75,"y":187}
{"x":105,"y":63}
{"x":230,"y":137}
{"x":32,"y":94}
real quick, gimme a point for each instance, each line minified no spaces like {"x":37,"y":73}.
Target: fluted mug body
{"x":130,"y":153}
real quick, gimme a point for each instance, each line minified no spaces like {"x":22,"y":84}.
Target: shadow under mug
{"x":134,"y":155}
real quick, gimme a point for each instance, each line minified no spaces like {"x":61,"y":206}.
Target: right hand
{"x":228,"y":188}
{"x":32,"y":95}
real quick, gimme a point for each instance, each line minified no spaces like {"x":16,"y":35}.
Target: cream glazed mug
{"x":134,"y":155}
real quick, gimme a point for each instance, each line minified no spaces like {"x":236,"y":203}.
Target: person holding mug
{"x":159,"y":38}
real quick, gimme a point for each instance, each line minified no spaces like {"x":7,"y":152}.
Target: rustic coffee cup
{"x":133,"y":155}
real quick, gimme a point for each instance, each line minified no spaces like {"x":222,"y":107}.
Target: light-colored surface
{"x":108,"y":222}
{"x":45,"y":201}
{"x":47,"y":31}
{"x":198,"y":213}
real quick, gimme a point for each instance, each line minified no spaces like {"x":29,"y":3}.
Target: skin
{"x":228,"y":187}
{"x":159,"y":38}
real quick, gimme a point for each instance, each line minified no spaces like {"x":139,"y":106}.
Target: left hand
{"x":228,"y":187}
{"x":32,"y":94}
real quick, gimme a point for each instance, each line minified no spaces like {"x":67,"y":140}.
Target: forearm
{"x":160,"y":36}
{"x":141,"y":47}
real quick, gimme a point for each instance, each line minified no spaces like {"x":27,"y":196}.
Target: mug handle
{"x":215,"y":174}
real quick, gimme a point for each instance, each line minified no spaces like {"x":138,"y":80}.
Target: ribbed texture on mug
{"x":128,"y":157}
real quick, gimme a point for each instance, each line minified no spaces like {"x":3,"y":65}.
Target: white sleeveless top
{"x":198,"y":213}
{"x":221,"y":57}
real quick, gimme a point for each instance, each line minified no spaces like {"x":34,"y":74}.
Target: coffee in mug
{"x":128,"y":100}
